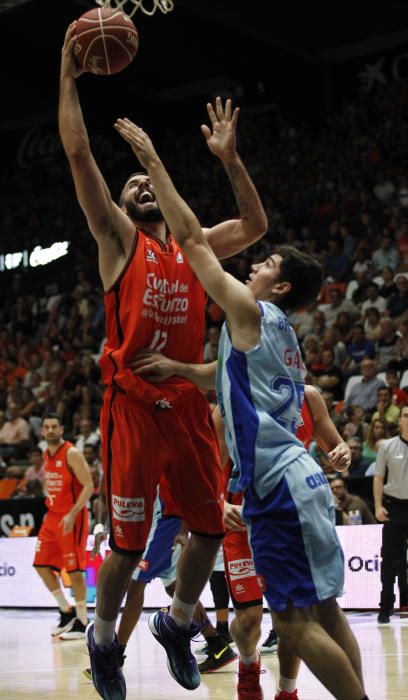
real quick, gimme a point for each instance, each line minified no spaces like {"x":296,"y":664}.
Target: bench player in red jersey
{"x":243,"y":583}
{"x":62,"y":538}
{"x":153,"y":300}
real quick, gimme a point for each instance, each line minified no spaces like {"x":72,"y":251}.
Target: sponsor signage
{"x":20,"y":585}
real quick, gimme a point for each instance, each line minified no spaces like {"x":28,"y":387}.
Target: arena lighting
{"x":11,"y":4}
{"x":38,"y":256}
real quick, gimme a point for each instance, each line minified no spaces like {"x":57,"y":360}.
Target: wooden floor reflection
{"x":33,"y":665}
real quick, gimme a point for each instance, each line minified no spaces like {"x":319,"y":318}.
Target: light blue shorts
{"x":159,"y":560}
{"x":297,"y":554}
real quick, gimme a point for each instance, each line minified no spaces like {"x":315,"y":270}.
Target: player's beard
{"x":136,"y":213}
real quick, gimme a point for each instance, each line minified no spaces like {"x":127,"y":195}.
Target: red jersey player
{"x":151,"y":433}
{"x":62,"y":538}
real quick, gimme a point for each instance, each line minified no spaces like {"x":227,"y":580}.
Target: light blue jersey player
{"x":288,"y":505}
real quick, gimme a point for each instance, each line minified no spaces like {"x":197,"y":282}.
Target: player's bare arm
{"x":325,"y":432}
{"x":79,"y":467}
{"x":109,"y":225}
{"x":156,"y":367}
{"x":234,"y":297}
{"x":230,"y":237}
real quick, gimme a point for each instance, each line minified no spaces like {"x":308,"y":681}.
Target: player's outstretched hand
{"x":69,"y":66}
{"x":153,"y":366}
{"x":233,"y":518}
{"x":139,"y":141}
{"x":222,"y":139}
{"x":340,"y":457}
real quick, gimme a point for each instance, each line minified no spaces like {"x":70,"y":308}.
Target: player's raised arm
{"x":230,"y":237}
{"x":234,"y":297}
{"x":107,"y":222}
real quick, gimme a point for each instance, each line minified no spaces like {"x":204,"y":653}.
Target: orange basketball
{"x":106,"y":41}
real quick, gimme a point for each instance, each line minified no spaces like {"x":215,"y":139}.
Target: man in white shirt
{"x":391,"y":508}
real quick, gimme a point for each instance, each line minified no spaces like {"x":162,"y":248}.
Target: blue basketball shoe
{"x":106,"y":663}
{"x":176,"y":641}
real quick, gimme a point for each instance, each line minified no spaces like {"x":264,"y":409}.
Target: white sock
{"x":248,"y":660}
{"x":182,"y":613}
{"x":288,"y":684}
{"x":104,"y":631}
{"x":80,"y":606}
{"x":63,"y":604}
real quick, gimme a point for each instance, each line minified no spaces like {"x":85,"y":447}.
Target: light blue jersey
{"x":260,"y":393}
{"x":288,"y":505}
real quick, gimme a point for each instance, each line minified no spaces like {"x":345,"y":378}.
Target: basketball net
{"x":148,"y":7}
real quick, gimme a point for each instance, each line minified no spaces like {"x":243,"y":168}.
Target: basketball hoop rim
{"x":164,"y":6}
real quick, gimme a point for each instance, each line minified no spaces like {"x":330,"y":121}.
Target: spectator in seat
{"x":399,"y":396}
{"x":337,"y":304}
{"x":372,"y":327}
{"x":386,"y":348}
{"x":86,"y":435}
{"x":359,"y":464}
{"x":35,"y":469}
{"x":344,"y":327}
{"x":388,"y":286}
{"x":211,"y":346}
{"x":377,"y":431}
{"x":336,"y":263}
{"x":398,"y":302}
{"x":14,"y":435}
{"x":348,"y":502}
{"x":356,"y":426}
{"x":365,"y":392}
{"x":386,"y":410}
{"x":402,"y":346}
{"x":359,"y":348}
{"x":373,"y":298}
{"x":330,"y":377}
{"x":387,"y":254}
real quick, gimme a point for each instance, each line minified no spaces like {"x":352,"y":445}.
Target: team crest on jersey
{"x":58,"y":463}
{"x":179,"y":258}
{"x":151,"y":256}
{"x":143,"y":565}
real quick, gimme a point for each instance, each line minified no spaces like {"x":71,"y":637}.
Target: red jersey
{"x":63,"y":488}
{"x":305,"y":429}
{"x":157,"y":303}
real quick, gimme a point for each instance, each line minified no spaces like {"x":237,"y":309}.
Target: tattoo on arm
{"x":233,"y":174}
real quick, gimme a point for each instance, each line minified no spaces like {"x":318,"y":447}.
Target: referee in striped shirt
{"x":390,"y":487}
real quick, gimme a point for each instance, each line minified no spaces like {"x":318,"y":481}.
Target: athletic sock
{"x":80,"y":607}
{"x":222,"y":627}
{"x":104,"y":631}
{"x":215,"y":643}
{"x":63,"y":604}
{"x":182,"y":613}
{"x":288,"y":684}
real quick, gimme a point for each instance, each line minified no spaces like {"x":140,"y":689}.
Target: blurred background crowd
{"x":338,"y":191}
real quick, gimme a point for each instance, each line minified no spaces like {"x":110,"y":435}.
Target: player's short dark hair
{"x":121,"y":198}
{"x":303,"y":272}
{"x":50,"y":416}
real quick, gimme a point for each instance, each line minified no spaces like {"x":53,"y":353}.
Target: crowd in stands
{"x":337,"y":190}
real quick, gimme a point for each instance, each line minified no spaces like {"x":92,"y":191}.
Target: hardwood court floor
{"x":33,"y":665}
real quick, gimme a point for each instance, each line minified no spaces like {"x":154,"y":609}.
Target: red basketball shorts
{"x":175,"y":446}
{"x":59,"y":551}
{"x":243,"y":583}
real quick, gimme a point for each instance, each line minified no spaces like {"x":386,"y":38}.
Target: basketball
{"x":106,"y":41}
